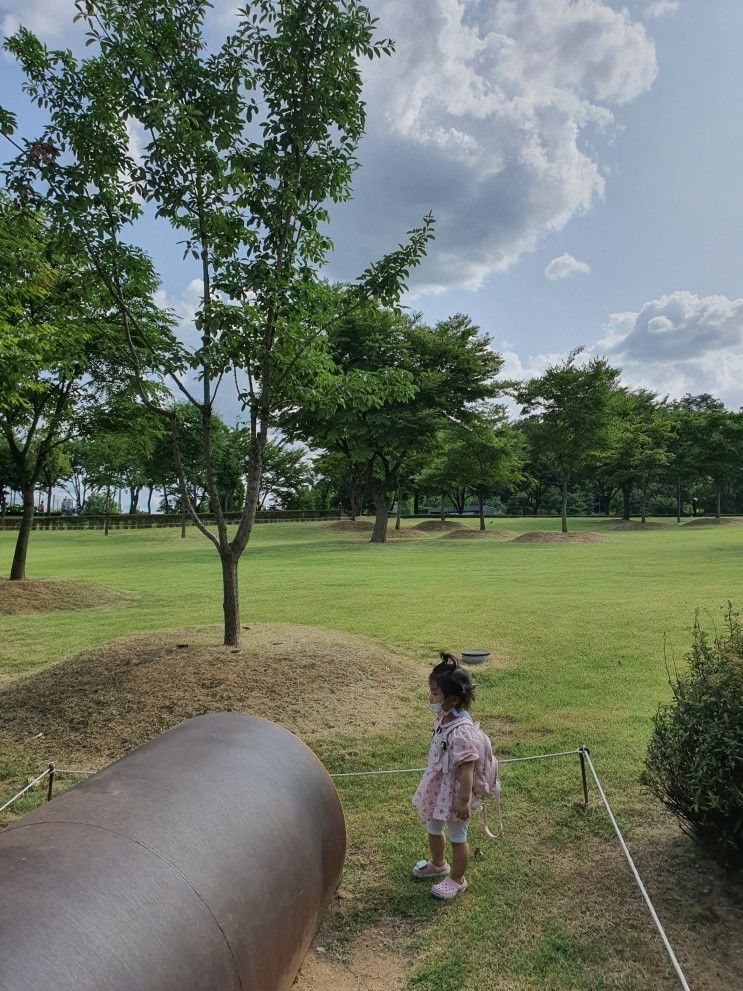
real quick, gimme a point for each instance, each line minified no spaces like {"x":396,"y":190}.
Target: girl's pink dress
{"x":452,"y":745}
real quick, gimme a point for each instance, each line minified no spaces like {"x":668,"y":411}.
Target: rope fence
{"x":581,"y":752}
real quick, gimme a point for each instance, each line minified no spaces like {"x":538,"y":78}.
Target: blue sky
{"x":600,"y":142}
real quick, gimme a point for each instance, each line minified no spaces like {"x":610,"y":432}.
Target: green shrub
{"x":694,"y":762}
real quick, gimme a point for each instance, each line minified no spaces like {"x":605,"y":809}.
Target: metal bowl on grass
{"x":475,"y":656}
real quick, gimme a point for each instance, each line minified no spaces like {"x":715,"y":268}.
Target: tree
{"x":285,"y":474}
{"x":394,"y":382}
{"x":55,"y":469}
{"x":7,"y":476}
{"x":490,"y":455}
{"x":652,"y":452}
{"x":539,"y":472}
{"x":244,"y":146}
{"x":342,"y":480}
{"x":637,"y":446}
{"x":56,"y":341}
{"x":477,"y":457}
{"x":718,"y":439}
{"x":572,"y":403}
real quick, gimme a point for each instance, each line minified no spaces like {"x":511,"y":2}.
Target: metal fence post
{"x":51,"y":782}
{"x":582,"y":751}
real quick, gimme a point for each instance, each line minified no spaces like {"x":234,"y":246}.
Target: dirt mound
{"x":351,"y":526}
{"x":52,"y":595}
{"x":627,"y":526}
{"x":547,"y":537}
{"x":97,"y":705}
{"x":409,"y":533}
{"x":467,"y":534}
{"x":431,"y":526}
{"x":713,"y":521}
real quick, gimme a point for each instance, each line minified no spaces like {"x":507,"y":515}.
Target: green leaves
{"x":694,"y":763}
{"x":8,"y":122}
{"x":572,"y":403}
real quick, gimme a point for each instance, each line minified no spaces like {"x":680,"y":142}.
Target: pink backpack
{"x":485,"y":781}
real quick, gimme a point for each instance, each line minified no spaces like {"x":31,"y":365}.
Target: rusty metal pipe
{"x":203,"y":861}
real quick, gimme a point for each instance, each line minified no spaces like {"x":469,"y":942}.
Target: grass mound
{"x":52,"y":595}
{"x":351,"y":526}
{"x":547,"y":537}
{"x":712,"y":521}
{"x":629,"y":525}
{"x":467,"y":534}
{"x":104,"y":702}
{"x":432,"y":526}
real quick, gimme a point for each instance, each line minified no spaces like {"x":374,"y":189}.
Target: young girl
{"x":445,"y":792}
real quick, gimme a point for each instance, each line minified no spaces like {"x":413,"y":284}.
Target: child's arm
{"x":461,"y":807}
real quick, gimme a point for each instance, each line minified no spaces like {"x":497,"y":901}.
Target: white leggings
{"x":456,"y":829}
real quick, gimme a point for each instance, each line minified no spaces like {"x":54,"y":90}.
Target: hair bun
{"x":449,"y":659}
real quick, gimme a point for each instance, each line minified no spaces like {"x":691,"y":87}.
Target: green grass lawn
{"x":577,"y":633}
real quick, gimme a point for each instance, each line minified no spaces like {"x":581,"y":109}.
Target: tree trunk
{"x":442,"y":514}
{"x":166,"y":504}
{"x":626,"y":495}
{"x":107,"y":510}
{"x":564,"y":505}
{"x":354,"y":509}
{"x":379,"y":533}
{"x":399,"y":510}
{"x":679,"y":504}
{"x":18,"y":567}
{"x":183,"y":522}
{"x":718,"y":498}
{"x":481,"y":508}
{"x":149,"y":502}
{"x":133,"y":499}
{"x":231,"y":600}
{"x":49,"y":506}
{"x":644,"y":503}
{"x":416,"y":503}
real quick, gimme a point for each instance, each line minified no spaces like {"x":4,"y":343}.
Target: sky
{"x":582,"y":160}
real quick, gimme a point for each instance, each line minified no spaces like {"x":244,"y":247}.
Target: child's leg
{"x":436,"y":844}
{"x":460,"y":849}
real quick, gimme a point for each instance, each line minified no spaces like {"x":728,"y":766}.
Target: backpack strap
{"x":484,"y":814}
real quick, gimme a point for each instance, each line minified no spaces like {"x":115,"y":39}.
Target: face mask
{"x":435,"y":707}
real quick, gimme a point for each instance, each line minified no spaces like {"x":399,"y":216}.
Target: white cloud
{"x":680,"y":343}
{"x":492,"y":113}
{"x":487,"y":115}
{"x":565,"y":265}
{"x":659,"y":8}
{"x":48,"y":18}
{"x":676,"y":344}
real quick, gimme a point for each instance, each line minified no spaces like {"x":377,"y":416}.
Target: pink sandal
{"x":426,"y":868}
{"x":449,"y":888}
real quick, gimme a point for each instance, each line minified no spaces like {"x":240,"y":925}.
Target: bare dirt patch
{"x":370,"y":966}
{"x":351,"y":526}
{"x":713,"y":521}
{"x":409,"y":533}
{"x":433,"y":526}
{"x":52,"y":595}
{"x":467,"y":534}
{"x":547,"y":537}
{"x":97,"y":705}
